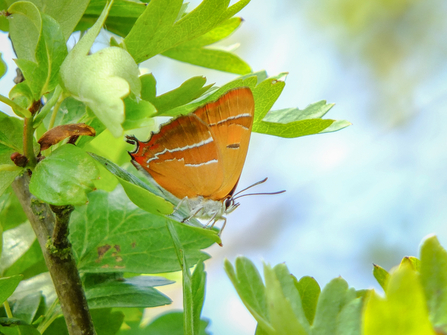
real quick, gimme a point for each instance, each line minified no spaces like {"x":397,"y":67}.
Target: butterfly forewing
{"x":230,"y":120}
{"x":183,"y":158}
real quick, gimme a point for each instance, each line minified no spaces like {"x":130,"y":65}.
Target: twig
{"x":60,"y":262}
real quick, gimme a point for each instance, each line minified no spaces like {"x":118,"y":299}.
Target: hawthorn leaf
{"x":403,"y":311}
{"x":101,"y":80}
{"x":65,"y":177}
{"x":112,"y":234}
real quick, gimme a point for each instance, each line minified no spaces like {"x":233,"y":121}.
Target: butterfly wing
{"x":230,"y":120}
{"x":182,"y":158}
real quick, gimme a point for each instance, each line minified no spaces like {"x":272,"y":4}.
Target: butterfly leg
{"x":194,"y":213}
{"x":179,"y":204}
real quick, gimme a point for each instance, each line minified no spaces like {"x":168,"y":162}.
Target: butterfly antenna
{"x":267,"y":193}
{"x":255,"y":184}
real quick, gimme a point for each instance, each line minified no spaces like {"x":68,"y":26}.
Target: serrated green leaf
{"x":141,"y":194}
{"x":127,"y":292}
{"x":138,"y":114}
{"x":281,"y":313}
{"x":313,"y":111}
{"x":158,"y":27}
{"x":8,"y":286}
{"x":210,"y":58}
{"x":403,"y":311}
{"x":101,"y":80}
{"x":29,"y":264}
{"x":433,"y":272}
{"x":381,"y":275}
{"x":122,"y":237}
{"x":248,"y":284}
{"x":292,"y":129}
{"x":332,"y":299}
{"x":411,"y":261}
{"x":65,"y":177}
{"x":40,"y":69}
{"x":309,"y":292}
{"x":349,"y":321}
{"x":291,"y":294}
{"x":188,"y":91}
{"x":336,"y":126}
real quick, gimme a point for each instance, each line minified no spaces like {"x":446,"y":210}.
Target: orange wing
{"x":230,"y":120}
{"x":182,"y":158}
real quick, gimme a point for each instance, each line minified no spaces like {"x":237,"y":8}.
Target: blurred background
{"x":366,"y":194}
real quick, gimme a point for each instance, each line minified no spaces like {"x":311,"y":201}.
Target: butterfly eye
{"x":229,"y":202}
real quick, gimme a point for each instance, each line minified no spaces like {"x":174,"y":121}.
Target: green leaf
{"x":101,"y":80}
{"x":66,"y":12}
{"x":41,"y":68}
{"x":332,"y":299}
{"x":198,"y":282}
{"x":143,"y":195}
{"x":8,"y":286}
{"x":40,"y":283}
{"x":411,"y":261}
{"x":21,"y":252}
{"x":291,"y":294}
{"x":159,"y":28}
{"x":381,"y":275}
{"x":167,"y":324}
{"x":188,"y":304}
{"x":292,"y":129}
{"x":26,"y":307}
{"x":16,"y":327}
{"x":11,"y":140}
{"x":185,"y":93}
{"x":22,"y":95}
{"x":434,"y":280}
{"x":403,"y":311}
{"x":11,"y":212}
{"x":120,"y":20}
{"x":105,"y":321}
{"x":349,"y":321}
{"x":3,"y":67}
{"x":70,"y":111}
{"x":313,"y":111}
{"x":25,"y":30}
{"x":65,"y":177}
{"x":209,"y":58}
{"x":248,"y":284}
{"x":127,"y":292}
{"x":265,"y":92}
{"x":111,"y":234}
{"x":138,"y":114}
{"x":309,"y":292}
{"x":281,"y":313}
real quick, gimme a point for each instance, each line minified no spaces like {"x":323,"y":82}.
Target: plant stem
{"x":54,"y":114}
{"x":14,"y":106}
{"x":60,"y":262}
{"x":7,"y":309}
{"x":28,"y":134}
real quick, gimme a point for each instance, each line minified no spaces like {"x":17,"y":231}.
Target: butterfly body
{"x":199,"y":157}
